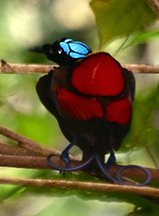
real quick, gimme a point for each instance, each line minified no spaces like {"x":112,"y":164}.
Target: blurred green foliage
{"x":119,"y":18}
{"x":25,"y":24}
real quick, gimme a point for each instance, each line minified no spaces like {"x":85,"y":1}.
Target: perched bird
{"x":90,"y":95}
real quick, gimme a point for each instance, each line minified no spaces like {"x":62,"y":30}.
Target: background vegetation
{"x":126,"y":29}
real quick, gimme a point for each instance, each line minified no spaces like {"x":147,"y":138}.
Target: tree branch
{"x":84,"y":186}
{"x":144,"y":69}
{"x":26,"y":144}
{"x":30,"y":154}
{"x":154,"y":5}
{"x":8,"y":68}
{"x":37,"y":162}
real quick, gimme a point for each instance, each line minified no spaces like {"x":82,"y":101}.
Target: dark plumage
{"x":92,"y":102}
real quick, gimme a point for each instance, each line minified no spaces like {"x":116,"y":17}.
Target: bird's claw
{"x":111,"y":161}
{"x":65,"y":157}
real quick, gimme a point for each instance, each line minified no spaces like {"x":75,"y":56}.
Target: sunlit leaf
{"x":142,"y":37}
{"x":118,"y":18}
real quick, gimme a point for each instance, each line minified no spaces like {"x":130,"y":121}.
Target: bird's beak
{"x":37,"y":50}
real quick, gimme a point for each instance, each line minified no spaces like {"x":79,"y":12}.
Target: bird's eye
{"x":60,"y":51}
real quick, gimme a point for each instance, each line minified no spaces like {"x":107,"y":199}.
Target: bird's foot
{"x":65,"y":154}
{"x":111,"y":161}
{"x":65,"y":157}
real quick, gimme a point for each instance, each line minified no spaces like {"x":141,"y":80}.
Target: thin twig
{"x":84,"y":186}
{"x":24,"y":68}
{"x":154,"y":5}
{"x":143,"y":69}
{"x":8,"y":68}
{"x":28,"y":144}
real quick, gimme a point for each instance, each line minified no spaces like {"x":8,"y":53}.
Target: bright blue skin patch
{"x":65,"y":47}
{"x":75,"y":49}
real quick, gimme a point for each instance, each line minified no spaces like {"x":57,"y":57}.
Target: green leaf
{"x":105,"y":197}
{"x":118,"y":18}
{"x":143,"y":131}
{"x":142,"y":37}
